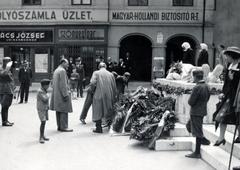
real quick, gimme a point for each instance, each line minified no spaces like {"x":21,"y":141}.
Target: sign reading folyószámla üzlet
{"x":10,"y":36}
{"x":161,"y":16}
{"x":52,"y":15}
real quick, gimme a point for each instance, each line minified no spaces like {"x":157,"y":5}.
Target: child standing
{"x":42,"y":107}
{"x":74,"y":83}
{"x":198,"y":102}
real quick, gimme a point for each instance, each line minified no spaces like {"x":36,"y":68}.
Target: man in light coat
{"x":61,"y":96}
{"x":104,"y":96}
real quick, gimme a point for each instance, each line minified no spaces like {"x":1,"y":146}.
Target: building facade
{"x":149,"y":31}
{"x":227,"y":30}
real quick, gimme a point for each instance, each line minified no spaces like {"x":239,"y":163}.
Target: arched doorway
{"x":139,"y":49}
{"x":174,"y":50}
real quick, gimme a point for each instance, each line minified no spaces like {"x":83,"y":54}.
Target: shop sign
{"x":81,"y":35}
{"x":52,"y":15}
{"x":26,"y":36}
{"x":163,"y":16}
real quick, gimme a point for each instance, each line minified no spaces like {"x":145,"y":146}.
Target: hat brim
{"x":232,"y":51}
{"x":233,"y":54}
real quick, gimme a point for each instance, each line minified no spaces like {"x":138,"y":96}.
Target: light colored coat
{"x":104,"y":95}
{"x":61,"y":97}
{"x":42,"y":104}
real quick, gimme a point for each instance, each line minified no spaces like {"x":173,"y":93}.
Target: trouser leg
{"x":42,"y":129}
{"x":63,"y":120}
{"x":26,"y":92}
{"x":58,"y":119}
{"x":198,"y":145}
{"x":86,"y":106}
{"x":4,"y":114}
{"x":22,"y":92}
{"x":99,"y":125}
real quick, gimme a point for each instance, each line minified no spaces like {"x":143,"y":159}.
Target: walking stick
{"x":234,"y":135}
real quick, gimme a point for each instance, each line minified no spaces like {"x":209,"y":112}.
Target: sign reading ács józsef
{"x":26,"y":36}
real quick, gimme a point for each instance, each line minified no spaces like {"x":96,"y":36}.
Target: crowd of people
{"x":104,"y":89}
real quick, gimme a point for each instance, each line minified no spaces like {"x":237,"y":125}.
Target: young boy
{"x":198,"y":102}
{"x":42,"y":107}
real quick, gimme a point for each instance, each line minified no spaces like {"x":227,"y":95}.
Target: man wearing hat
{"x":42,"y":107}
{"x":6,"y":90}
{"x":61,"y":96}
{"x":24,"y":76}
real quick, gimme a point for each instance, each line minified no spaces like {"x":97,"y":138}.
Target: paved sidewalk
{"x":79,"y":150}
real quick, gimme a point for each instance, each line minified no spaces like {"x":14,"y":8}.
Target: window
{"x":81,"y":2}
{"x":137,"y":2}
{"x":182,"y":2}
{"x":31,"y":2}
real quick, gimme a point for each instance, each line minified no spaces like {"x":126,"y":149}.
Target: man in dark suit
{"x":80,"y":70}
{"x":24,"y":76}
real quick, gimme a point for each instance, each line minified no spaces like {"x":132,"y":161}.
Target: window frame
{"x":138,"y":3}
{"x":183,"y":4}
{"x":81,"y":3}
{"x":31,"y":3}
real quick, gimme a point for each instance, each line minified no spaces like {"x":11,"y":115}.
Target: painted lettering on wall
{"x":81,"y":34}
{"x":158,"y":16}
{"x":45,"y":15}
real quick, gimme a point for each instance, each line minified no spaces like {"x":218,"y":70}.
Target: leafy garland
{"x":180,"y":90}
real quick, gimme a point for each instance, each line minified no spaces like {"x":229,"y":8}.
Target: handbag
{"x":222,"y":111}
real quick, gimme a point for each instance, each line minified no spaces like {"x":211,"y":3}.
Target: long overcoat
{"x":104,"y":95}
{"x":60,"y":91}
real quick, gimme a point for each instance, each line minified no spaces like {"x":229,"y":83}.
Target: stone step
{"x":174,"y":144}
{"x":179,"y":131}
{"x":217,"y":157}
{"x":209,"y":132}
{"x":214,"y":156}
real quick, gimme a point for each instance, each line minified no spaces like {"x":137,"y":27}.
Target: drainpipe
{"x":203,"y":20}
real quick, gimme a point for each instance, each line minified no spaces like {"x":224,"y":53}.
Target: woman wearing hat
{"x":188,"y":54}
{"x":203,"y":55}
{"x":230,"y":86}
{"x":6,"y":89}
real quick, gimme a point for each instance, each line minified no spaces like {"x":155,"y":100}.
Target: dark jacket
{"x":6,"y":82}
{"x":25,"y":75}
{"x":188,"y":57}
{"x":203,"y":58}
{"x":198,"y":99}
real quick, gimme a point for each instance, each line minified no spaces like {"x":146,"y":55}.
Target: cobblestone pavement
{"x":81,"y":149}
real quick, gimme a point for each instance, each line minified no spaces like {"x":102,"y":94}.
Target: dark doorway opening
{"x":174,"y":50}
{"x":139,"y":49}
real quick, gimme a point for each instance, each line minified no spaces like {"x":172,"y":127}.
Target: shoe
{"x":83,"y":121}
{"x":26,"y":101}
{"x":205,"y":141}
{"x":97,"y":131}
{"x":7,"y":124}
{"x":20,"y":102}
{"x":66,"y":130}
{"x":107,"y":125}
{"x":46,"y":139}
{"x":41,"y":140}
{"x":237,"y":140}
{"x":220,"y":142}
{"x":236,"y":168}
{"x":194,"y":155}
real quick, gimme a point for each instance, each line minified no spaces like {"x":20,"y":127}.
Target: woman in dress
{"x":230,"y":86}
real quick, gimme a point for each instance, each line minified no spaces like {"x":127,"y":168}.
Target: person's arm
{"x":63,"y":84}
{"x":193,"y":97}
{"x":42,"y":96}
